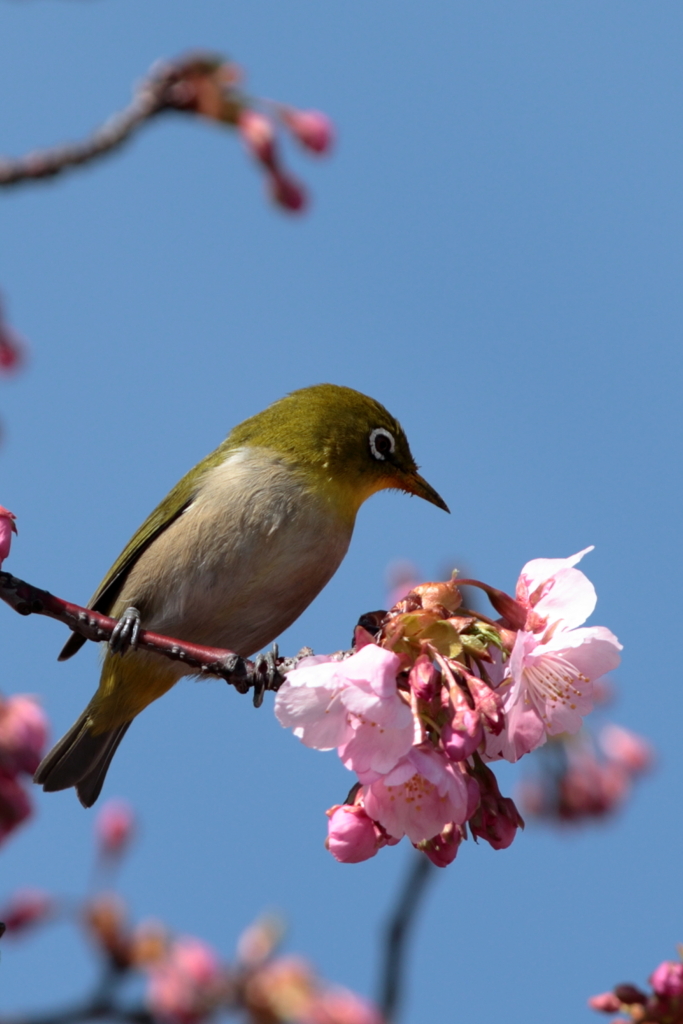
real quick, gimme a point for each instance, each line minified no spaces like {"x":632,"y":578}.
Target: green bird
{"x":233,"y":555}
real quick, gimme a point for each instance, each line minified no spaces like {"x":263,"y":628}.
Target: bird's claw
{"x":265,"y":674}
{"x":126,"y":631}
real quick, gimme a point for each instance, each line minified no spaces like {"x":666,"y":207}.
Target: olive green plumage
{"x":235,"y":552}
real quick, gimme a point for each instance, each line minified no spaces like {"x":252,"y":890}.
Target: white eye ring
{"x":381,"y":432}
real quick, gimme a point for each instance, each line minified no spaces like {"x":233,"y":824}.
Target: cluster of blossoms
{"x":663,"y":1005}
{"x":435,"y":693}
{"x":580,"y":778}
{"x":186,"y":981}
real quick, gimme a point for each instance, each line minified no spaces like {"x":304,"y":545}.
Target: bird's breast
{"x":244,"y":560}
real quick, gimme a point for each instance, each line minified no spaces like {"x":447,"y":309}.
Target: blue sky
{"x":495,"y":253}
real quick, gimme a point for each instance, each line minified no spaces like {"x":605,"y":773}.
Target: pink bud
{"x":496,"y":819}
{"x":287,"y":192}
{"x":607,"y":1002}
{"x":442,"y":849}
{"x":114,"y":828}
{"x":258,"y":134}
{"x":11,"y":350}
{"x":312,"y":129}
{"x":488,"y":703}
{"x":460,"y":742}
{"x":351,"y":834}
{"x":341,"y":1006}
{"x":26,"y":908}
{"x":667,"y":980}
{"x":424,"y":680}
{"x":7,"y":528}
{"x":23,"y":734}
{"x":628,"y":749}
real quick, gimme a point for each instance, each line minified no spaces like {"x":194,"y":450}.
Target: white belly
{"x":245,"y":559}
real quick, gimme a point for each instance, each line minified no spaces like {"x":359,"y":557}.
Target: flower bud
{"x":23,"y":734}
{"x":258,"y":135}
{"x":461,"y":737}
{"x":351,"y":834}
{"x":667,"y":979}
{"x":26,"y":908}
{"x":258,"y":942}
{"x":442,"y":849}
{"x":630,"y":994}
{"x":114,"y":828}
{"x":7,"y":528}
{"x":287,"y":192}
{"x":496,"y":819}
{"x":311,"y":128}
{"x":488,"y":703}
{"x":606,"y":1002}
{"x":424,"y":680}
{"x":15,"y":806}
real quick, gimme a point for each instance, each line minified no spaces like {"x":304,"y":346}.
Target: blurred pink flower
{"x":341,"y":1006}
{"x":114,"y":827}
{"x":352,"y":836}
{"x":311,"y":128}
{"x":667,"y":979}
{"x":23,"y":734}
{"x":606,"y":1002}
{"x":626,"y":748}
{"x":286,"y":192}
{"x":353,"y":705}
{"x":186,"y":986}
{"x":7,"y":528}
{"x":419,"y":797}
{"x":258,"y":134}
{"x":25,"y":908}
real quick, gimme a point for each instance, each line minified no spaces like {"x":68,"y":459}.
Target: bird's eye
{"x":381,"y":443}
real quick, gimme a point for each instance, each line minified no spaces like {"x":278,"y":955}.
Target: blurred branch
{"x":199,"y":83}
{"x":397,"y":934}
{"x":261,"y":674}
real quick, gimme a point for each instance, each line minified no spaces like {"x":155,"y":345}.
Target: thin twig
{"x":241,"y":673}
{"x":397,"y":933}
{"x":197,"y":83}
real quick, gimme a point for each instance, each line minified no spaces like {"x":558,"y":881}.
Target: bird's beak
{"x":416,"y":484}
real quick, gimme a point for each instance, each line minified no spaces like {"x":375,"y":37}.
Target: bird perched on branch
{"x":234,"y":554}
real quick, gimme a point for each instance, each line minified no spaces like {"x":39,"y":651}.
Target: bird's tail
{"x":80,"y":759}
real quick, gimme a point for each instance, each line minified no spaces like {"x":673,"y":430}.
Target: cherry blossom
{"x":353,"y":705}
{"x":7,"y":528}
{"x":114,"y":827}
{"x":352,"y":836}
{"x":23,"y":734}
{"x":186,"y":986}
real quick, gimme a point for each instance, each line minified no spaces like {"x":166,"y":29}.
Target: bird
{"x":233,"y":555}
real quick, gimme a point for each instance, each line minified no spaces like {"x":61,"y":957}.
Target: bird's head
{"x":347,"y":443}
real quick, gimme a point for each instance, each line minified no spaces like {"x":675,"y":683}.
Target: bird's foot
{"x":265,"y":675}
{"x":126,"y":632}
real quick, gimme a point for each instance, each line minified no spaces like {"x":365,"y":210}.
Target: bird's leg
{"x":265,"y":674}
{"x":126,"y":632}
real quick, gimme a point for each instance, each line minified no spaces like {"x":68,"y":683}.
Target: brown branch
{"x":397,"y":932}
{"x":241,"y":673}
{"x":199,"y":83}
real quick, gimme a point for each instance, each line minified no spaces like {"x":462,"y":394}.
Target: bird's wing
{"x":173,"y":505}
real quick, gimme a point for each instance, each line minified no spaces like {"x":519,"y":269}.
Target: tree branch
{"x":241,"y":673}
{"x":397,"y":933}
{"x":199,"y":83}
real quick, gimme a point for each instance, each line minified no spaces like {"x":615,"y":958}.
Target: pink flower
{"x":7,"y":528}
{"x":353,"y":705}
{"x":419,"y":797}
{"x":114,"y":827}
{"x":667,"y":979}
{"x":352,"y":836}
{"x":549,"y":679}
{"x":27,"y":907}
{"x":341,"y":1006}
{"x":23,"y":734}
{"x":311,"y":128}
{"x":626,"y":748}
{"x":187,"y":985}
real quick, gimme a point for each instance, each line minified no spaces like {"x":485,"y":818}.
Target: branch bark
{"x":241,"y":673}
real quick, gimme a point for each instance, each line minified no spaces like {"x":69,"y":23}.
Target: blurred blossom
{"x":106,"y":918}
{"x":23,"y":734}
{"x":15,"y":805}
{"x":664,"y":1005}
{"x":340,"y":1006}
{"x":282,"y":990}
{"x":258,"y":942}
{"x":114,"y":828}
{"x":12,"y":348}
{"x":7,"y":528}
{"x":626,"y":748}
{"x":149,"y":944}
{"x":311,"y":128}
{"x":27,"y":908}
{"x":188,"y":984}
